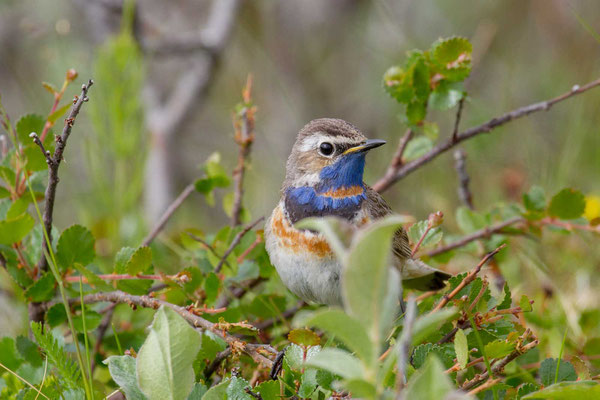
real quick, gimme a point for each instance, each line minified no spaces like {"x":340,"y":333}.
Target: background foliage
{"x":534,"y":302}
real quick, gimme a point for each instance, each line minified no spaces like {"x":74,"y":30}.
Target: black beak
{"x":366,"y":146}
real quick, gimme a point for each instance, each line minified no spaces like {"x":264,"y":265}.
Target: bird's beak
{"x":366,"y":146}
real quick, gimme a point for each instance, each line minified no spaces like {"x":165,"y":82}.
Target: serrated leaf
{"x":164,"y":362}
{"x":27,"y":124}
{"x":525,"y":389}
{"x":197,"y":392}
{"x":139,"y":261}
{"x":417,"y":147}
{"x":76,"y":245}
{"x":416,"y":231}
{"x":268,"y":389}
{"x":498,"y":349}
{"x":217,"y":392}
{"x":122,"y":258}
{"x":123,"y":371}
{"x":461,"y":348}
{"x":8,"y":354}
{"x":56,"y":315}
{"x":507,"y":300}
{"x":15,"y":229}
{"x":567,"y":204}
{"x":236,"y":390}
{"x":525,"y":304}
{"x":453,"y":58}
{"x":582,"y":390}
{"x":42,"y":289}
{"x":308,"y":383}
{"x":29,"y":351}
{"x":547,"y":371}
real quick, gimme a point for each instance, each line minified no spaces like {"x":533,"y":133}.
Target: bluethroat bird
{"x":324,"y":177}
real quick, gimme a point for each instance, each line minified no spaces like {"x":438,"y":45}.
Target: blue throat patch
{"x":329,"y":196}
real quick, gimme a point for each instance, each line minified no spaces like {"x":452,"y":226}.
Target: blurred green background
{"x":311,"y":59}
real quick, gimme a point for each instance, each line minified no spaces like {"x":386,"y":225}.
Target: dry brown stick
{"x":167,"y":214}
{"x":499,"y":366}
{"x":53,"y":165}
{"x":464,"y":193}
{"x":467,"y":279}
{"x":398,"y":173}
{"x":236,"y":240}
{"x":461,"y":104}
{"x":397,"y":160}
{"x":480,"y":234}
{"x":244,"y":136}
{"x":488,"y":384}
{"x":194,"y":320}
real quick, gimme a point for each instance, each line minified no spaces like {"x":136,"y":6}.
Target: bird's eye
{"x":326,"y":148}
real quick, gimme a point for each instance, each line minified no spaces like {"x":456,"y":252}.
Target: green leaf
{"x":525,"y":304}
{"x":453,"y":58}
{"x":56,"y":315}
{"x":304,"y":337}
{"x":582,"y":390}
{"x":446,"y":95}
{"x":268,"y":389}
{"x":59,"y":112}
{"x":29,"y":351}
{"x":416,"y":231}
{"x":308,"y":384}
{"x":197,"y":392}
{"x":429,"y":323}
{"x":42,"y":289}
{"x":27,"y":124}
{"x":498,"y":348}
{"x":216,"y":172}
{"x":397,"y":83}
{"x":92,"y":320}
{"x":507,"y":300}
{"x":431,"y":130}
{"x":468,"y":220}
{"x":15,"y":229}
{"x":4,"y":192}
{"x":217,"y":392}
{"x":122,"y":258}
{"x":17,"y":207}
{"x":345,"y":328}
{"x":93,"y":279}
{"x":567,"y":204}
{"x":526,"y":388}
{"x":139,"y":261}
{"x":76,"y":245}
{"x":339,"y":362}
{"x":8,"y":354}
{"x":204,"y":185}
{"x":535,"y":199}
{"x":416,"y":111}
{"x":164,"y":362}
{"x":123,"y":371}
{"x":367,"y":272}
{"x":57,"y":356}
{"x":461,"y":348}
{"x":566,"y":371}
{"x":236,"y":390}
{"x":417,"y":147}
{"x":429,"y":382}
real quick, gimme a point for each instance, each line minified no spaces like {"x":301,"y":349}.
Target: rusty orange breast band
{"x":296,"y":240}
{"x":342,"y":192}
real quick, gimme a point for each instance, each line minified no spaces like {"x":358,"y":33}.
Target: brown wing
{"x":378,"y":208}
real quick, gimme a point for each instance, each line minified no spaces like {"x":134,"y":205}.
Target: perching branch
{"x":167,"y":214}
{"x":53,"y":165}
{"x":467,"y":279}
{"x":253,"y":350}
{"x":401,"y":171}
{"x":397,"y":160}
{"x":480,"y":234}
{"x":243,"y":123}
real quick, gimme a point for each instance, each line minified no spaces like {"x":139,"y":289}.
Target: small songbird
{"x":324,"y":177}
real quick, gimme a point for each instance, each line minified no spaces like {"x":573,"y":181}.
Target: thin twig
{"x":488,"y":384}
{"x":212,"y":367}
{"x":461,"y":104}
{"x":398,"y":173}
{"x":397,"y":160}
{"x":237,"y":292}
{"x":480,"y":234}
{"x":252,"y":350}
{"x":207,"y":245}
{"x":467,"y":279}
{"x":61,"y":142}
{"x":464,"y":193}
{"x":168,"y":213}
{"x":235,"y":242}
{"x":499,"y":365}
{"x":244,"y":137}
{"x":45,"y":152}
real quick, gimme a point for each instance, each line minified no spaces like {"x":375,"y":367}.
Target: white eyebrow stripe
{"x":311,"y":142}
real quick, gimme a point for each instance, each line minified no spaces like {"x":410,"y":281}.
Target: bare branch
{"x":168,"y":213}
{"x":467,"y":279}
{"x":480,"y":234}
{"x":464,"y":193}
{"x":253,"y":350}
{"x":45,"y":152}
{"x":244,"y":136}
{"x":396,"y":160}
{"x":398,"y":173}
{"x":461,"y":104}
{"x":236,"y":240}
{"x":61,"y":142}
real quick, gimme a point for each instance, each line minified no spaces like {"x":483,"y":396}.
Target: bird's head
{"x":329,"y":154}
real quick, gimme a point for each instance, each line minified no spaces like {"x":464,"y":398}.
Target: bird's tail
{"x":418,"y":275}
